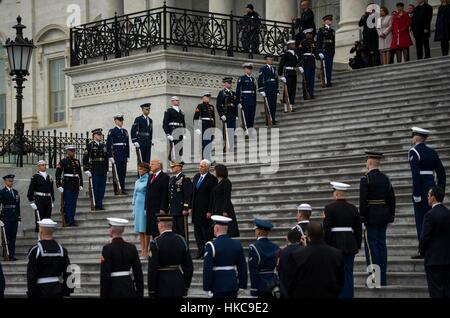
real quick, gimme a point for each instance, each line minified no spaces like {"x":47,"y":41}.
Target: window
{"x":2,"y":94}
{"x":57,"y":90}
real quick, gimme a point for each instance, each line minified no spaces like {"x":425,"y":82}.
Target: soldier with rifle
{"x":142,"y":134}
{"x":308,"y":61}
{"x":268,"y":88}
{"x":227,"y":108}
{"x":118,"y":147}
{"x":174,"y":124}
{"x":326,"y":48}
{"x":246,"y":97}
{"x":10,"y":217}
{"x":287,"y":70}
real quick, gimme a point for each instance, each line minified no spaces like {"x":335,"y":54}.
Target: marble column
{"x":281,"y":10}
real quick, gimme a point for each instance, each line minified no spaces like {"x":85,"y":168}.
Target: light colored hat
{"x":174,"y":98}
{"x":304,"y":207}
{"x":49,"y":223}
{"x":308,"y":30}
{"x":117,"y":221}
{"x":41,"y":162}
{"x":420,"y":131}
{"x":290,"y":42}
{"x":70,"y":147}
{"x":247,"y":65}
{"x":119,"y":116}
{"x":220,"y":220}
{"x":340,"y":186}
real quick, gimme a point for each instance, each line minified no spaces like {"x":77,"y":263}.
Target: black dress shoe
{"x":124,"y":193}
{"x":418,"y":256}
{"x":13,"y":259}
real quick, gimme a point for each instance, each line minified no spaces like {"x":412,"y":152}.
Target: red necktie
{"x":153,"y":178}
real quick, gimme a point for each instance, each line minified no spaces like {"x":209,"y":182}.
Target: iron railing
{"x":166,"y":27}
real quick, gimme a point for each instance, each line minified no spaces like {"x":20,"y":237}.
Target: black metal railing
{"x":166,"y":27}
{"x":48,"y":146}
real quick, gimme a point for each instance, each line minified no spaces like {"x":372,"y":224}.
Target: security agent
{"x":326,"y":46}
{"x":48,"y":266}
{"x":262,"y":260}
{"x":224,"y":266}
{"x":174,"y":124}
{"x":142,"y":133}
{"x":424,"y":162}
{"x":118,"y":258}
{"x":268,"y":85}
{"x":246,"y":94}
{"x":304,"y":211}
{"x":287,"y":70}
{"x":227,"y":107}
{"x":118,"y":146}
{"x":95,"y":165}
{"x":170,"y":266}
{"x":10,"y":214}
{"x":205,"y":117}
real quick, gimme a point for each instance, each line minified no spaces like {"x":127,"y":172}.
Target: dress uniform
{"x":10,"y":214}
{"x":424,"y":161}
{"x":304,"y":211}
{"x":118,"y":258}
{"x":287,"y":71}
{"x":205,"y":115}
{"x":142,"y":134}
{"x":342,"y":226}
{"x":246,"y":95}
{"x":41,"y":195}
{"x":227,"y":107}
{"x":262,"y":260}
{"x":308,"y":62}
{"x":224,"y":266}
{"x":118,"y":147}
{"x":377,"y":209}
{"x":174,"y":119}
{"x":48,"y":268}
{"x":95,"y":164}
{"x":69,"y":181}
{"x":326,"y":46}
{"x":268,"y":86}
{"x":170,"y":266}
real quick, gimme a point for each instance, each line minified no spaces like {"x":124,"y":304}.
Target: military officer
{"x":326,"y":45}
{"x":95,"y":166}
{"x":117,"y":260}
{"x":118,"y":147}
{"x":287,"y":70}
{"x":246,"y":94}
{"x":342,"y":226}
{"x":377,"y":209}
{"x":69,"y":181}
{"x":424,"y":162}
{"x":41,"y":194}
{"x":180,"y":191}
{"x":205,"y":117}
{"x":48,"y":268}
{"x":170,"y":266}
{"x":224,"y":266}
{"x":268,"y":85}
{"x":227,"y":108}
{"x":10,"y":214}
{"x":304,"y":211}
{"x":142,"y":133}
{"x":308,"y":62}
{"x":262,"y":260}
{"x":174,"y":125}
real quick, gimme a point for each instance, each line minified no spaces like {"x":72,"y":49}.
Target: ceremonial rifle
{"x":267,"y":112}
{"x":4,"y":242}
{"x":286,"y":99}
{"x":91,"y":194}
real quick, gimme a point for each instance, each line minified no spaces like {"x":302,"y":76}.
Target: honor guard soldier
{"x":117,"y":260}
{"x":308,"y":62}
{"x":170,"y":266}
{"x":118,"y":146}
{"x":95,"y":165}
{"x":205,"y":117}
{"x":342,"y":226}
{"x":326,"y":46}
{"x":424,"y":162}
{"x":10,"y":215}
{"x":287,"y":70}
{"x":246,"y":95}
{"x":180,"y":191}
{"x":174,"y":124}
{"x":262,"y":260}
{"x":268,"y":85}
{"x":69,"y":181}
{"x":41,"y":194}
{"x":224,"y":266}
{"x":142,"y":133}
{"x":304,"y":211}
{"x":48,"y":268}
{"x":377,"y":209}
{"x":227,"y":108}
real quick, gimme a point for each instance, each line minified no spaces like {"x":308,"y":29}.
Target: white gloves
{"x":112,"y":160}
{"x":363,"y":227}
{"x":283,"y":79}
{"x":61,"y":189}
{"x":136,"y":144}
{"x":53,"y":204}
{"x":170,"y":138}
{"x":240,"y":106}
{"x":301,"y":70}
{"x":198,"y":132}
{"x":33,"y":206}
{"x":88,"y":173}
{"x":417,"y":199}
{"x":321,"y":56}
{"x":263,"y":94}
{"x":81,"y":188}
{"x":2,"y":224}
{"x":224,"y":118}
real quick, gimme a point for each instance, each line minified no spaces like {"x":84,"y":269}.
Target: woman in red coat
{"x":401,"y":38}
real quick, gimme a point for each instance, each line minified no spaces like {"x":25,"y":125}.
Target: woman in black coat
{"x":220,"y":203}
{"x":442,"y":33}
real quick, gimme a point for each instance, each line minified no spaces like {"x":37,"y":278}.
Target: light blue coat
{"x":140,"y":218}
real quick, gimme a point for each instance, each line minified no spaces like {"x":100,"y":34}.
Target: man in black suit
{"x":434,"y":245}
{"x":204,"y":183}
{"x":316,"y":271}
{"x":421,"y":27}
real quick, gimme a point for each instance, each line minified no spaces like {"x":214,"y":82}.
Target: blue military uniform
{"x":246,"y":96}
{"x":262,"y":260}
{"x":326,"y":44}
{"x":10,"y":216}
{"x":142,"y":133}
{"x":227,"y":106}
{"x":268,"y":83}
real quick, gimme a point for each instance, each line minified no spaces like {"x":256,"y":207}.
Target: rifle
{"x":4,"y":243}
{"x":267,"y":112}
{"x":286,"y":99}
{"x":38,"y":215}
{"x":305,"y":87}
{"x":226,"y":141}
{"x":139,"y":156}
{"x":63,"y":212}
{"x":323,"y":79}
{"x":91,"y":194}
{"x":118,"y":189}
{"x":244,"y":122}
{"x":186,"y":229}
{"x":372,"y":273}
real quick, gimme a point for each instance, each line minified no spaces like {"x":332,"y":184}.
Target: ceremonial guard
{"x":9,"y":216}
{"x":224,"y":266}
{"x":117,"y":260}
{"x":287,"y":71}
{"x":304,"y":211}
{"x":118,"y":146}
{"x":174,"y":125}
{"x":69,"y":181}
{"x":424,"y":162}
{"x":95,"y":165}
{"x":180,"y":191}
{"x":170,"y":266}
{"x":268,"y":86}
{"x":262,"y":260}
{"x":41,"y":194}
{"x":377,"y":209}
{"x":246,"y":95}
{"x":227,"y":108}
{"x":48,"y":266}
{"x":342,"y":226}
{"x":142,"y":134}
{"x":326,"y":46}
{"x":205,"y":118}
{"x":308,"y":62}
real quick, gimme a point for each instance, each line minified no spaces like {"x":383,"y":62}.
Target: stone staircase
{"x":323,"y":140}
